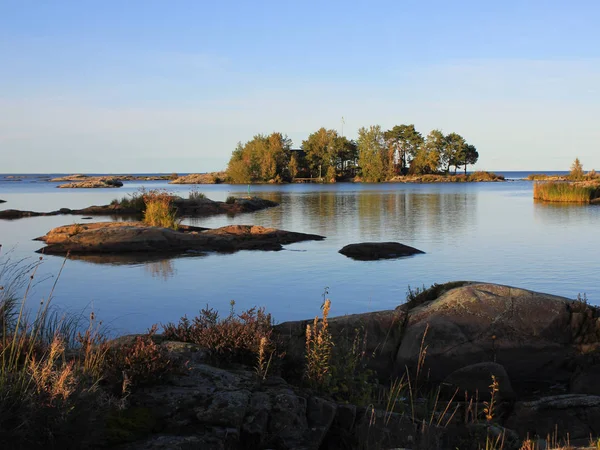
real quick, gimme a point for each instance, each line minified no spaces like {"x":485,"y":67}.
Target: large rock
{"x":529,"y":333}
{"x":131,"y":237}
{"x":370,"y":251}
{"x":380,"y":330}
{"x":476,"y":380}
{"x":576,"y":416}
{"x":2,"y":201}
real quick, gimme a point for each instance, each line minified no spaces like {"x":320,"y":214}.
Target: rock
{"x":320,"y":414}
{"x":170,"y":442}
{"x":382,"y":330}
{"x":226,"y":408}
{"x":370,"y":251}
{"x":576,"y":416}
{"x":585,"y":381}
{"x":477,"y":378}
{"x":132,"y":237}
{"x":94,"y":182}
{"x":379,"y":429}
{"x":2,"y":201}
{"x":254,"y":429}
{"x":526,"y":332}
{"x":81,"y":177}
{"x":184,"y":207}
{"x":200,"y":178}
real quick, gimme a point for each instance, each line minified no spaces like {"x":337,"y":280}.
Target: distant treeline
{"x":377,"y":155}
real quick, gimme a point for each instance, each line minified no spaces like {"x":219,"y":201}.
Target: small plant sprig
{"x":319,"y":345}
{"x":488,"y":410}
{"x":263,"y":364}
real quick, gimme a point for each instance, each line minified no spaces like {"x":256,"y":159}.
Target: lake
{"x":491,"y":232}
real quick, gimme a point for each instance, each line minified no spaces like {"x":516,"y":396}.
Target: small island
{"x":399,"y":155}
{"x":134,"y":205}
{"x":577,"y":187}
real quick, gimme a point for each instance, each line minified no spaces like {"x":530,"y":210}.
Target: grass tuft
{"x":584,"y":192}
{"x":160,"y":211}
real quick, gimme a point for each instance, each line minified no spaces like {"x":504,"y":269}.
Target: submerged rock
{"x":135,"y":237}
{"x":370,"y":251}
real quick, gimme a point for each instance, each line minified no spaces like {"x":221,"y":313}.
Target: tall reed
{"x":566,"y":192}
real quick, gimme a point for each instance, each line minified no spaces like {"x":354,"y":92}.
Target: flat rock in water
{"x":2,"y":201}
{"x":371,"y":251}
{"x":94,"y":182}
{"x":131,"y":237}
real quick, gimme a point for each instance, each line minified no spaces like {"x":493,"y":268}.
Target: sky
{"x":173,"y":86}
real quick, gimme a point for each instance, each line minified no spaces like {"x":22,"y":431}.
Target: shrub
{"x":236,"y":338}
{"x":140,"y":363}
{"x":196,"y":195}
{"x":160,"y":211}
{"x":134,"y":201}
{"x":230,"y":200}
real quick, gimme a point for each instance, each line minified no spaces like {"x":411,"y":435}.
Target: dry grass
{"x":319,"y":345}
{"x":55,"y":382}
{"x":159,"y":210}
{"x":579,"y":192}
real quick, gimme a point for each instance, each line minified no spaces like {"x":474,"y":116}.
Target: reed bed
{"x":566,"y":192}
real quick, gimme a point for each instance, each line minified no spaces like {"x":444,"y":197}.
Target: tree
{"x":372,"y":153}
{"x":429,"y":157}
{"x":454,"y":149}
{"x":320,"y":150}
{"x":576,"y":170}
{"x":403,"y":142}
{"x":293,"y":166}
{"x":264,"y":158}
{"x":470,"y":155}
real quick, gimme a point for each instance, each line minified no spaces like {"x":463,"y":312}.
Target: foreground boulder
{"x":216,"y":408}
{"x":536,"y":341}
{"x":132,"y":237}
{"x":370,"y":251}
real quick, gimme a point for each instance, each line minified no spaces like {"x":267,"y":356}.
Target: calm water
{"x":482,"y":231}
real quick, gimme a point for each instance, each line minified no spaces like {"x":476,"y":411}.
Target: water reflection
{"x":565,"y":214}
{"x":384,"y":215}
{"x":163,"y":269}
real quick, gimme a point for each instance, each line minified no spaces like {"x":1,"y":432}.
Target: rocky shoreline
{"x":541,"y":350}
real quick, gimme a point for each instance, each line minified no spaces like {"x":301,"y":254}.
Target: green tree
{"x":264,"y":158}
{"x":576,"y":170}
{"x":403,"y":142}
{"x":470,"y":155}
{"x":320,"y":150}
{"x":454,"y":151}
{"x":372,"y":154}
{"x":429,"y":157}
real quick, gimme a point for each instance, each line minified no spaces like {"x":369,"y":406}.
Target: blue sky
{"x":172,"y":86}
